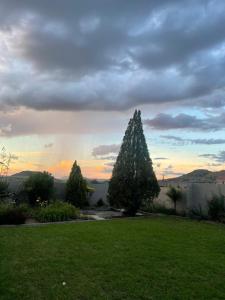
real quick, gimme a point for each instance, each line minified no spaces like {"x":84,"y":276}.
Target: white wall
{"x":196,"y":195}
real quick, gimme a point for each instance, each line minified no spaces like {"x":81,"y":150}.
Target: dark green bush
{"x":217,"y":208}
{"x":58,"y":211}
{"x":100,"y":203}
{"x":3,"y":189}
{"x":197,"y":213}
{"x":158,"y":208}
{"x":11,"y":215}
{"x":27,"y":210}
{"x":39,"y":188}
{"x":161,"y":209}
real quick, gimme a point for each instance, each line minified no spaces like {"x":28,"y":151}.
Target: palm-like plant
{"x":175,"y":194}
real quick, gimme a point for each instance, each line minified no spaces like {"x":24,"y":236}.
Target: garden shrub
{"x":197,"y":213}
{"x":27,"y":210}
{"x":158,"y":208}
{"x":100,"y":203}
{"x":39,"y":187}
{"x":217,"y":208}
{"x":11,"y":215}
{"x":56,"y":212}
{"x":161,"y":209}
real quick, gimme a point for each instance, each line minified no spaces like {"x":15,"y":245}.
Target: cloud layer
{"x":165,"y":121}
{"x":112,"y":55}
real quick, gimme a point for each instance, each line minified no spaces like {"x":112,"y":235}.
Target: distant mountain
{"x":16,"y":182}
{"x":24,"y":173}
{"x":198,"y":176}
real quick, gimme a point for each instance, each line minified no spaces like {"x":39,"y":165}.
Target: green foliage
{"x":197,"y":213}
{"x":76,"y":188}
{"x":11,"y":215}
{"x":27,"y":210}
{"x":100,"y":203}
{"x":217,"y":208}
{"x":3,"y":188}
{"x":161,"y":209}
{"x":133,"y":179}
{"x":58,"y":211}
{"x":175,"y":194}
{"x":158,"y":209}
{"x":39,"y":187}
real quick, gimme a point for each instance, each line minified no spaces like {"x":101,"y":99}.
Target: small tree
{"x":133,"y":181}
{"x":3,"y":188}
{"x":217,"y":208}
{"x":175,"y":195}
{"x":39,"y":186}
{"x":76,"y":187}
{"x":5,"y":160}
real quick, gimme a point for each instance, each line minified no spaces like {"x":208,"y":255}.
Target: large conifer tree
{"x":133,"y":180}
{"x":76,"y":187}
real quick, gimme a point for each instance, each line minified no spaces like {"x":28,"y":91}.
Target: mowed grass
{"x":154,"y":258}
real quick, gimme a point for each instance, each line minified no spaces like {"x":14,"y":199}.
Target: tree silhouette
{"x":76,"y":187}
{"x":133,"y":180}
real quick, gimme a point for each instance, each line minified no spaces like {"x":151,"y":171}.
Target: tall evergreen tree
{"x":76,"y":187}
{"x":133,"y":180}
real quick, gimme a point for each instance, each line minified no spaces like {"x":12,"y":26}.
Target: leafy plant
{"x":58,"y":211}
{"x":3,"y":187}
{"x":175,"y":194}
{"x":158,"y":209}
{"x":39,"y":187}
{"x":217,"y":208}
{"x":11,"y":215}
{"x":197,"y":213}
{"x":100,"y":203}
{"x":163,"y":210}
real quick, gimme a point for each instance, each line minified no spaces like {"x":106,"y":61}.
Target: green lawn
{"x":155,"y":258}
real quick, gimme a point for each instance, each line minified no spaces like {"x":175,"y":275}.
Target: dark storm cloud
{"x":112,"y":55}
{"x":184,"y":121}
{"x":181,"y":121}
{"x":220,"y":157}
{"x":183,"y":141}
{"x":105,"y":149}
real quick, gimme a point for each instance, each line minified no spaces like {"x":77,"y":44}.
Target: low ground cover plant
{"x":197,"y":213}
{"x":10,"y":214}
{"x":217,"y":208}
{"x":58,"y":211}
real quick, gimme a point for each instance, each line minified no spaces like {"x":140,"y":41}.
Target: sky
{"x":73,"y":72}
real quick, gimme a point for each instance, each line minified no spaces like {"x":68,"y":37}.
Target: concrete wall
{"x":199,"y":194}
{"x":165,"y":201}
{"x":100,"y":192}
{"x":196,"y":195}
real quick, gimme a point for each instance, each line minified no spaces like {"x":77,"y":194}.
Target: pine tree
{"x":133,"y":180}
{"x":76,"y":187}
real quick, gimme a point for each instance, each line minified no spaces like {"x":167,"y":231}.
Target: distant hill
{"x":24,"y":174}
{"x":16,"y":182}
{"x":198,"y":176}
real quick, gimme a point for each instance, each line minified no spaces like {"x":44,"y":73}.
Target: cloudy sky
{"x":73,"y":72}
